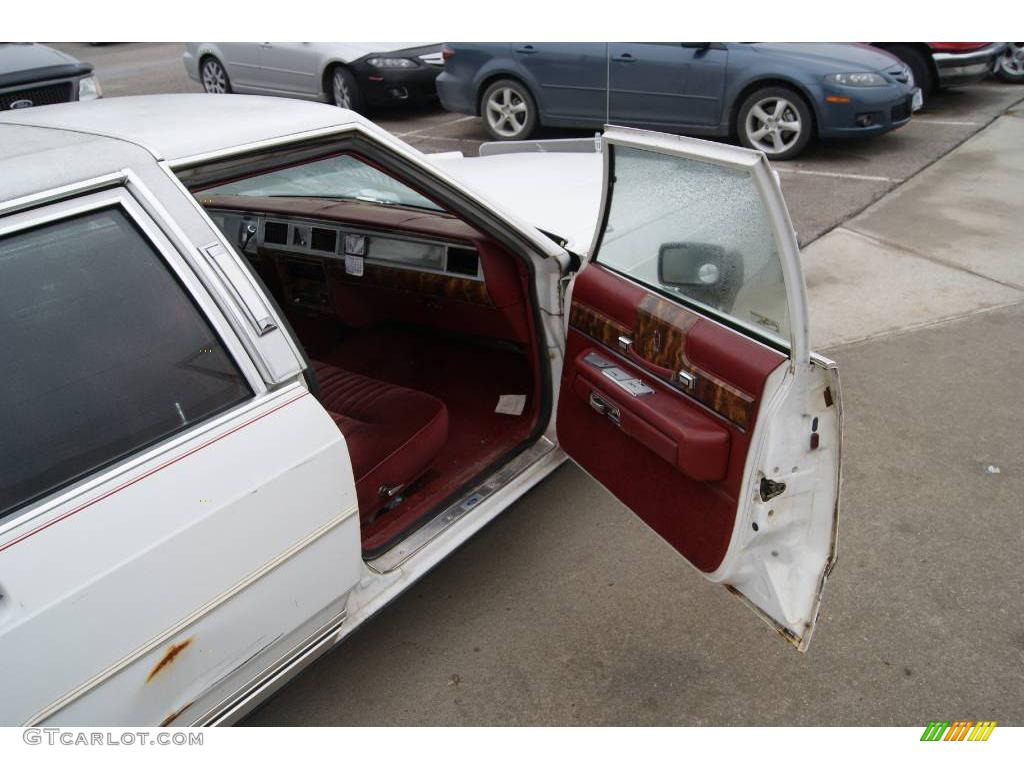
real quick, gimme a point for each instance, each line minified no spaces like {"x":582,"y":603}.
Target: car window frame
{"x":796,"y":345}
{"x":106,"y":193}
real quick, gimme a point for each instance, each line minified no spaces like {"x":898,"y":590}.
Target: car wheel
{"x":214,"y":76}
{"x":1009,"y":67}
{"x":508,"y":110}
{"x":920,"y":67}
{"x":776,"y":121}
{"x":345,"y":91}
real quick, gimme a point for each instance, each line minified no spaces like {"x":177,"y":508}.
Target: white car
{"x":262,"y":374}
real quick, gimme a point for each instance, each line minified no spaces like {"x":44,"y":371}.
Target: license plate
{"x":917,"y":100}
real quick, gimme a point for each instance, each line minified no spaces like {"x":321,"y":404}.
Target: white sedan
{"x":266,"y":365}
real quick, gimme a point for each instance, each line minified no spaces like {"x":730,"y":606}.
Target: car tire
{"x":508,"y":110}
{"x":344,"y":91}
{"x":1009,"y":66}
{"x":214,"y":76}
{"x":775,"y":120}
{"x":919,"y":65}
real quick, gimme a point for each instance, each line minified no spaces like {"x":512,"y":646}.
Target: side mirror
{"x":698,"y":46}
{"x":703,"y":271}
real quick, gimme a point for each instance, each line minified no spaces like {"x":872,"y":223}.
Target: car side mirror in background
{"x":703,"y":271}
{"x":699,"y":46}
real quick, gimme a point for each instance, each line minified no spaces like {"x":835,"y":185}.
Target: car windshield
{"x":341,"y":177}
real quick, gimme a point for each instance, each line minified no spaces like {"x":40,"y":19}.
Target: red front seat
{"x":393,"y":433}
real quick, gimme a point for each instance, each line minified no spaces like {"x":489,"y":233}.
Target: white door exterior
{"x":164,"y":579}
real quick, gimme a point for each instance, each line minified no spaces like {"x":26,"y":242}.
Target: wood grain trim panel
{"x":596,"y":324}
{"x":659,"y":337}
{"x":415,"y":281}
{"x":394,"y":278}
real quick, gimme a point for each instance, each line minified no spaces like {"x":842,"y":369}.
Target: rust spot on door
{"x":174,"y":715}
{"x":169,"y":657}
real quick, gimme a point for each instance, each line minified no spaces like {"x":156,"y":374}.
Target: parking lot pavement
{"x":827,"y":185}
{"x":945,"y":244}
{"x":132,"y":69}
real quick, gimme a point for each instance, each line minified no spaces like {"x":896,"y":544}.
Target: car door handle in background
{"x":625,"y":58}
{"x":526,"y":49}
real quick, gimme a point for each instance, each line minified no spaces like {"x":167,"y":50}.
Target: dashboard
{"x":365,"y":263}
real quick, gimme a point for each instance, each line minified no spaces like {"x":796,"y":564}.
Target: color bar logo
{"x":958,"y":730}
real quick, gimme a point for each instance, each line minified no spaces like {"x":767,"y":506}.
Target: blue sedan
{"x":772,"y":96}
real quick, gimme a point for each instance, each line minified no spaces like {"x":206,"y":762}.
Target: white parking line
{"x":835,"y":175}
{"x":418,"y":131}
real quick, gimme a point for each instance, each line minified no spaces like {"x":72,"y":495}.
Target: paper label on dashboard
{"x":511,"y":404}
{"x":353,"y":265}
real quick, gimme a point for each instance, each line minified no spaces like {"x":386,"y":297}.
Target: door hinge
{"x":771,"y":488}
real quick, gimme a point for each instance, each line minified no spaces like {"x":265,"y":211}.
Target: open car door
{"x":688,"y":388}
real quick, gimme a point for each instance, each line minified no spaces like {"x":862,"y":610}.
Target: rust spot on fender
{"x":169,"y":657}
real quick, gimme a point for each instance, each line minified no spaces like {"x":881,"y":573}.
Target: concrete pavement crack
{"x":851,"y":228}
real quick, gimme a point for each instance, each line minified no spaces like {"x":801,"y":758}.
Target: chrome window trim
{"x":36,"y":199}
{"x":221,"y":239}
{"x":526,"y":232}
{"x":112,"y":192}
{"x":171,"y":255}
{"x":218,"y":291}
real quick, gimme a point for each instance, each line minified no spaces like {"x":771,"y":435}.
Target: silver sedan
{"x":350,"y":75}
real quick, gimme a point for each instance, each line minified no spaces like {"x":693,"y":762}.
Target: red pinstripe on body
{"x":144,"y":475}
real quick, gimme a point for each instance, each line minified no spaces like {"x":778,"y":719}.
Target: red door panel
{"x":675,"y":456}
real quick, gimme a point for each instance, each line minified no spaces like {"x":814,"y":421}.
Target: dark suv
{"x":32,"y":75}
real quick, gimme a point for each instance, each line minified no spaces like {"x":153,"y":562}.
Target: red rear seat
{"x":393,"y":433}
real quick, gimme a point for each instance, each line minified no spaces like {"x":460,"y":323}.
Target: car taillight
{"x":447,"y":52}
{"x":956,"y":47}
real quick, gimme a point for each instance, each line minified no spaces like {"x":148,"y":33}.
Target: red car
{"x":938,"y":65}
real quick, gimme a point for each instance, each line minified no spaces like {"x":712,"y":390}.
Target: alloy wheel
{"x":507,"y":112}
{"x":215,"y":79}
{"x":1012,"y":60}
{"x":773,"y":125}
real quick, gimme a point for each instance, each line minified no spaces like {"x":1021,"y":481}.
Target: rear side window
{"x":103,"y":353}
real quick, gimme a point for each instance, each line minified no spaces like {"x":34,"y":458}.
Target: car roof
{"x":46,"y":147}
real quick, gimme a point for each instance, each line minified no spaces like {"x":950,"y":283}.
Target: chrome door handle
{"x":605,"y":408}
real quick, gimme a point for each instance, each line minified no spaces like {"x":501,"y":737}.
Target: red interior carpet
{"x":467,"y":377}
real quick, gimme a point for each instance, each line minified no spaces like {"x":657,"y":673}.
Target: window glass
{"x":694,"y":229}
{"x":103,"y":352}
{"x":341,"y":177}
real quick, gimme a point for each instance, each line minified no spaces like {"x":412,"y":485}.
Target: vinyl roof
{"x":173,"y":126}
